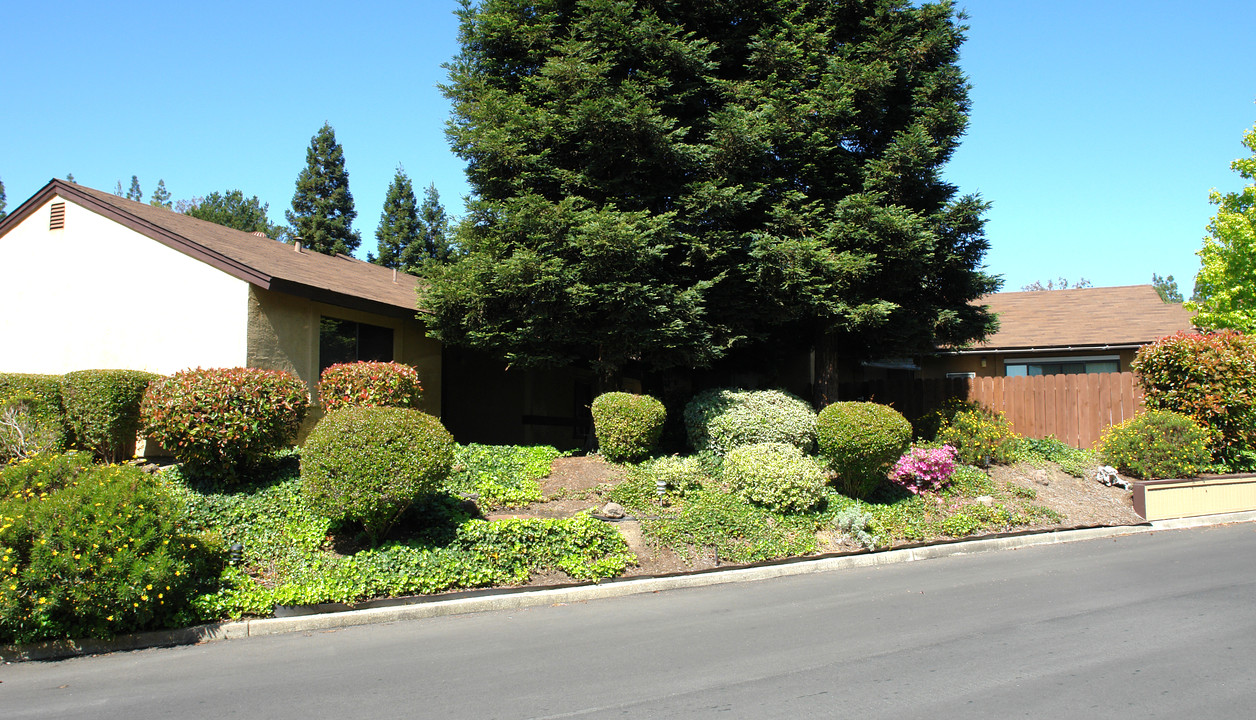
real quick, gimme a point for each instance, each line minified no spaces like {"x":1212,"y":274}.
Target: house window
{"x":1020,"y":367}
{"x":342,"y":341}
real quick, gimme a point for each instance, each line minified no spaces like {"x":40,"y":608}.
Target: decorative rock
{"x":1108,"y":476}
{"x":613,"y":510}
{"x":986,"y":500}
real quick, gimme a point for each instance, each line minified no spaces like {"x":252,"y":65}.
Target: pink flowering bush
{"x":922,"y":469}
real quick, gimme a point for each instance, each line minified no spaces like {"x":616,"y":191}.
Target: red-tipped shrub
{"x":221,"y":420}
{"x":369,"y":384}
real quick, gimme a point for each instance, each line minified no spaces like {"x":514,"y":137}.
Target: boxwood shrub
{"x":369,"y":384}
{"x":860,"y":441}
{"x":94,"y":551}
{"x":103,"y":409}
{"x":220,"y":421}
{"x":35,"y":415}
{"x":627,"y":426}
{"x":369,"y":464}
{"x":1156,"y":444}
{"x":774,"y":475}
{"x":724,"y":418}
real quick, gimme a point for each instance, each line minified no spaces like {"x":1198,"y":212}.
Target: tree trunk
{"x":825,"y":367}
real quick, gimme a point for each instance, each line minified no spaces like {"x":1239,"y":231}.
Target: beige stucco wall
{"x":283,"y":335}
{"x":99,"y":295}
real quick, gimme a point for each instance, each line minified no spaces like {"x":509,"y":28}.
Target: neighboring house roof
{"x":336,"y":280}
{"x":1082,"y":318}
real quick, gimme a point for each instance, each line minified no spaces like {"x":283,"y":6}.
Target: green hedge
{"x":103,"y":409}
{"x":627,"y":426}
{"x":861,"y":441}
{"x":369,"y":464}
{"x":724,"y":418}
{"x":34,"y":403}
{"x":774,"y":475}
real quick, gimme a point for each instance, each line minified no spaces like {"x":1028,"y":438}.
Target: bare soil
{"x":576,"y":484}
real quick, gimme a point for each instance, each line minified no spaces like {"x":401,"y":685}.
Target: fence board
{"x":1076,"y":409}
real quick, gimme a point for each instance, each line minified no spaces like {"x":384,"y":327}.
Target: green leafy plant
{"x":369,"y":384}
{"x":627,"y":426}
{"x":737,"y":532}
{"x":679,"y":474}
{"x":501,"y":475}
{"x":103,"y":408}
{"x":1211,"y":378}
{"x":860,"y":441}
{"x":93,"y":551}
{"x":775,"y":475}
{"x":980,"y":437}
{"x":220,"y":421}
{"x":926,"y":427}
{"x":721,"y":419}
{"x":1156,"y":444}
{"x":856,"y":524}
{"x":1074,"y":461}
{"x":369,"y":464}
{"x":32,"y":415}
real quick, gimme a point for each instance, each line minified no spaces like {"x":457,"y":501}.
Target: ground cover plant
{"x":290,"y":554}
{"x":501,"y":475}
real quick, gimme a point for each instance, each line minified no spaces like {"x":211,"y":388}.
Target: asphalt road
{"x":1151,"y":625}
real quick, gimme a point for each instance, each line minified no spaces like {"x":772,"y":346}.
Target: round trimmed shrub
{"x":981,"y":437}
{"x":221,"y":420}
{"x":777,"y":476}
{"x":860,"y":441}
{"x":724,"y":418}
{"x":94,"y":551}
{"x":627,"y":426}
{"x":103,"y":408}
{"x":1156,"y":444}
{"x":368,"y":464}
{"x":369,"y":384}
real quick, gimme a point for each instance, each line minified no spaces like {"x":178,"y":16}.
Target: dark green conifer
{"x":322,"y":211}
{"x":161,"y":196}
{"x":398,"y":223}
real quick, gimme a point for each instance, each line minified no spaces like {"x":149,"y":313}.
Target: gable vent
{"x":56,"y":218}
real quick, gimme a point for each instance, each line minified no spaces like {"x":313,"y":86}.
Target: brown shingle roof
{"x":339,"y":280}
{"x":1085,"y":317}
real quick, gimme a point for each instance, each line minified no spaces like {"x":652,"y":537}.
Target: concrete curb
{"x":582,"y":593}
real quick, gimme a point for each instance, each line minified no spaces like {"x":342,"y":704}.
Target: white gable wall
{"x":97,"y":294}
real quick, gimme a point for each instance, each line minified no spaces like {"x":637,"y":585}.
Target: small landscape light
{"x":236,"y":550}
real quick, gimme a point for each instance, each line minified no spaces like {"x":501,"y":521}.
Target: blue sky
{"x":1097,"y":128}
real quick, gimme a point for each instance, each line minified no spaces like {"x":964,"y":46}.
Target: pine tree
{"x":69,"y":177}
{"x":231,"y":209}
{"x":671,"y":182}
{"x":3,"y":201}
{"x":322,"y":211}
{"x":134,"y":193}
{"x":433,"y":239}
{"x":161,"y":196}
{"x":398,"y":224}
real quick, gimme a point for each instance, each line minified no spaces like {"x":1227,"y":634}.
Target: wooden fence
{"x":1076,"y":409}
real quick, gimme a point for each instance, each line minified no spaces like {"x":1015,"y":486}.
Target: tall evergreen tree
{"x":233,"y":210}
{"x":69,"y":177}
{"x":322,"y":211}
{"x":161,"y":196}
{"x":398,"y":223}
{"x":433,"y":241}
{"x":134,"y":193}
{"x":3,"y":201}
{"x":672,"y":181}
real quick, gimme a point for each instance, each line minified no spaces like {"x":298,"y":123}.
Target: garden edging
{"x":579,"y":593}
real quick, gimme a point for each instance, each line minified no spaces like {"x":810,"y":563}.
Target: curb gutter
{"x":54,"y":650}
